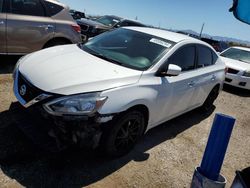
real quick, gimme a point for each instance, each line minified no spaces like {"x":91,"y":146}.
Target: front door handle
{"x":1,"y":22}
{"x":46,"y":27}
{"x":213,"y":77}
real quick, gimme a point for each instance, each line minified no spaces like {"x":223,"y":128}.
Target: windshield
{"x":237,"y":54}
{"x":108,"y":20}
{"x":128,"y":48}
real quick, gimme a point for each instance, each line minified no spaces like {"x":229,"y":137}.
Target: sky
{"x":172,"y":14}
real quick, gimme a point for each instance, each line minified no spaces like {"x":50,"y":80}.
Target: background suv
{"x":91,"y":28}
{"x":30,"y":25}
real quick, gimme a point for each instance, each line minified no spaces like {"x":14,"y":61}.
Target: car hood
{"x":92,"y":23}
{"x":69,"y":70}
{"x":235,"y":64}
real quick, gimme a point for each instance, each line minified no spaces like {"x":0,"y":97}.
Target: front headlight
{"x":246,"y":74}
{"x":83,"y":104}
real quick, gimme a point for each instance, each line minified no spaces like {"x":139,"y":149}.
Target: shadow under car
{"x":29,"y":165}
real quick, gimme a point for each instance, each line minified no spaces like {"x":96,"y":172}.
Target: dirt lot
{"x":165,"y":157}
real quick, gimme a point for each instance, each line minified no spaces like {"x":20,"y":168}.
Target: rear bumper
{"x":238,"y":81}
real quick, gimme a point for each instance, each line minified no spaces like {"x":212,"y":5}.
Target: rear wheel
{"x":123,"y":133}
{"x":208,"y":104}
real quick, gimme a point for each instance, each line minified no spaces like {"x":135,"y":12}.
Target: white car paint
{"x":67,"y":70}
{"x":235,"y":79}
{"x":46,"y":70}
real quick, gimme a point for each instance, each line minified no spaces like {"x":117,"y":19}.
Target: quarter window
{"x":27,"y":7}
{"x":205,"y":57}
{"x":184,"y":58}
{"x":53,"y":8}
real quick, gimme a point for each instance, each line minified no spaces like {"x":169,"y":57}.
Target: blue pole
{"x":216,"y":146}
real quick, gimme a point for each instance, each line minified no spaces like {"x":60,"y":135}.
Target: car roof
{"x":241,"y":48}
{"x":169,"y":35}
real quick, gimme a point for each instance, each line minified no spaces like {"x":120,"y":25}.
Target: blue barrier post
{"x":208,"y":174}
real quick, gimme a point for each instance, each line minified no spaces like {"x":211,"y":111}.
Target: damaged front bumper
{"x":83,"y":131}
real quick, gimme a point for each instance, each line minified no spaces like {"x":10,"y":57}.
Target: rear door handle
{"x":1,"y":22}
{"x":191,"y":84}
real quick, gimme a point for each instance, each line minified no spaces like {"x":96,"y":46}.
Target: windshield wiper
{"x":102,"y":56}
{"x":243,"y":61}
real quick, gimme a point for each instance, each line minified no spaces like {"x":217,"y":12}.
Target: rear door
{"x":2,"y":28}
{"x":28,"y":26}
{"x":207,"y":71}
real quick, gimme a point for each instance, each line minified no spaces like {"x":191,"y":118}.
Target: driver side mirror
{"x":171,"y":70}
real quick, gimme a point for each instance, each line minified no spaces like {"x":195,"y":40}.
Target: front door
{"x":177,"y":92}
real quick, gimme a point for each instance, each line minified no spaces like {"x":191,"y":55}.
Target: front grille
{"x":84,"y":27}
{"x":26,"y":90}
{"x":232,"y":71}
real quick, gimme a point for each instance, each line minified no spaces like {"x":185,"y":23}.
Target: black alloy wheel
{"x":124,"y":133}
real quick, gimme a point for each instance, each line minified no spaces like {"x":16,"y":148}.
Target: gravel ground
{"x":165,"y":157}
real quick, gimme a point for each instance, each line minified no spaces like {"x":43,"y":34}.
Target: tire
{"x":55,"y":43}
{"x":123,"y":133}
{"x":208,"y":104}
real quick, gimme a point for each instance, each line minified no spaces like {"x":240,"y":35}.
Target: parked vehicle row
{"x":77,"y":14}
{"x":91,"y":28}
{"x":167,"y":75}
{"x":28,"y":26}
{"x":219,"y":46}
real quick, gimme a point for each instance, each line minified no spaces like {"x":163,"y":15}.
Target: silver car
{"x":31,"y":25}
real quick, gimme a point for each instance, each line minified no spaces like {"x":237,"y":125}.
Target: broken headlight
{"x":83,"y":104}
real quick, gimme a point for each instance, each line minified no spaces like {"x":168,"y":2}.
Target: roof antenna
{"x":202,"y":29}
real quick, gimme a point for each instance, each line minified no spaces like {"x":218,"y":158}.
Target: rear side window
{"x":206,"y":56}
{"x":27,"y":7}
{"x":52,"y":8}
{"x":184,"y":57}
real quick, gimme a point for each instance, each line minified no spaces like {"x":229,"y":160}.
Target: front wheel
{"x":123,"y":133}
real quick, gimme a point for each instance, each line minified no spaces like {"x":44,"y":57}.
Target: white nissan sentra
{"x":237,"y":60}
{"x":111,"y":90}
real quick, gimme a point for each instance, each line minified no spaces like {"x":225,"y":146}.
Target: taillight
{"x":76,"y":28}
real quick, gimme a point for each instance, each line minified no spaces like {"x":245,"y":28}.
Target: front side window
{"x":205,"y":57}
{"x":184,"y":57}
{"x":27,"y":7}
{"x":237,"y":54}
{"x":128,"y":48}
